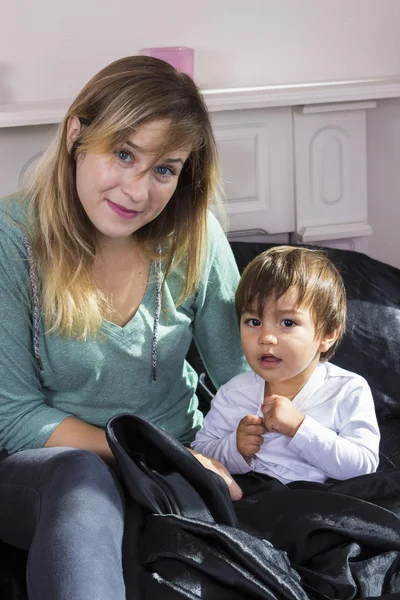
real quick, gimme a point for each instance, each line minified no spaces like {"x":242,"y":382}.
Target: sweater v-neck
{"x":129,"y":327}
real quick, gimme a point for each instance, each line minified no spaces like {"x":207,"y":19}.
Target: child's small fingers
{"x":271,"y":398}
{"x":268,"y":413}
{"x":254,"y":440}
{"x":269,"y":425}
{"x":251,"y":450}
{"x":256,"y":429}
{"x":252,"y":420}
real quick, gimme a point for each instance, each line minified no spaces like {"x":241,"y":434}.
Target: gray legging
{"x":65,"y":507}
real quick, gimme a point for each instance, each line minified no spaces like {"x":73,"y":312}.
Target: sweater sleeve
{"x":217,"y":437}
{"x":26,"y":421}
{"x":354,"y":449}
{"x":215,"y":328}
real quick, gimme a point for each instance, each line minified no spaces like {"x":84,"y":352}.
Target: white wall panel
{"x":257,"y":168}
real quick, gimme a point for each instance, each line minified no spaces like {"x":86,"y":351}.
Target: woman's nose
{"x":137,"y":187}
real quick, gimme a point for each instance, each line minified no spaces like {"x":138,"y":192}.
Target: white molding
{"x":245,"y":232}
{"x":33,"y":113}
{"x":319,"y":233}
{"x":303,"y":93}
{"x":315,"y":109}
{"x":53,"y":111}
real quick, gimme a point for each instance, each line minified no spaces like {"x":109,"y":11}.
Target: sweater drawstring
{"x":35,"y":302}
{"x":156,"y":317}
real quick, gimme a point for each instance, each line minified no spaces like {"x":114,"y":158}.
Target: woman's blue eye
{"x":164,"y":171}
{"x":124,"y":155}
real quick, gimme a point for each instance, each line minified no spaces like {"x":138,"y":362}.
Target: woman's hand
{"x":213,"y":465}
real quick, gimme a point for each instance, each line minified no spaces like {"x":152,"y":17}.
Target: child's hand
{"x":249,"y":435}
{"x":281,"y":415}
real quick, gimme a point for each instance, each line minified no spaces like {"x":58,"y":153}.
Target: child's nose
{"x":268,"y":338}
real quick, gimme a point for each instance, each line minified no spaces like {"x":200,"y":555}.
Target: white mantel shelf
{"x":53,"y":111}
{"x":302,"y":94}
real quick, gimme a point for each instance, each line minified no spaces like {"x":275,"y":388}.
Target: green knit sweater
{"x":112,"y":373}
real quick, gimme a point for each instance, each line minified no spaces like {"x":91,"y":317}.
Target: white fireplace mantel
{"x":294,"y":157}
{"x":53,"y":111}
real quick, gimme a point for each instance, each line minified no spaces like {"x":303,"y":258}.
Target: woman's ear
{"x":74,"y":128}
{"x":328,"y":340}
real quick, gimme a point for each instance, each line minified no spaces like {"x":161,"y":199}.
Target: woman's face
{"x":117,"y":192}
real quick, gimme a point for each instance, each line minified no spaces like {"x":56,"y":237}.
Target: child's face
{"x":282,"y":345}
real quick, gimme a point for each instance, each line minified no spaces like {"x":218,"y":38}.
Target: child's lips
{"x":269,"y":360}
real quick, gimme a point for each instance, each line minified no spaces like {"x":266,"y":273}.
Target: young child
{"x":294,"y":416}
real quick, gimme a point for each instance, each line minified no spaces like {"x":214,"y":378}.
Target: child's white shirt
{"x":339,"y":437}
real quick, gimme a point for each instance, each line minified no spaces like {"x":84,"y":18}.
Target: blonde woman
{"x":110,"y":264}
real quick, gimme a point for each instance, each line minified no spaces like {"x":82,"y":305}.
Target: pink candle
{"x":179,"y":57}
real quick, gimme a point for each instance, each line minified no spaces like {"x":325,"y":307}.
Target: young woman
{"x":110,"y":264}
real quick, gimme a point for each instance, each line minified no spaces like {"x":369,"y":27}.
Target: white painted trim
{"x":315,"y":109}
{"x":33,"y":113}
{"x":303,"y":93}
{"x":319,"y":233}
{"x":232,"y":234}
{"x":53,"y":111}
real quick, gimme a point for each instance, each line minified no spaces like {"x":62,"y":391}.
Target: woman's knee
{"x":62,"y":485}
{"x":83,"y":474}
{"x":82,"y":499}
{"x":74,"y":462}
{"x":63,"y":475}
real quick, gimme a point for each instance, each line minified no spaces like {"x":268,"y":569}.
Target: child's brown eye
{"x":288,"y":323}
{"x":253,"y":322}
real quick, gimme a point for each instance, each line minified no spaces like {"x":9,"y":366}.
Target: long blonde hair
{"x":119,"y":99}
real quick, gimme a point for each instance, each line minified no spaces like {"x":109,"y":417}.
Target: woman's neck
{"x":114,"y":246}
{"x":122,"y":273}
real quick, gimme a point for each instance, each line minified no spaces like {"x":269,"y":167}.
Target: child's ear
{"x":328,"y":340}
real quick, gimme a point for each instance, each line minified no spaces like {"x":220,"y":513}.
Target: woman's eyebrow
{"x":172,"y":160}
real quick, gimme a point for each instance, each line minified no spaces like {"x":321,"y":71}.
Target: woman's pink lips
{"x":121,"y":211}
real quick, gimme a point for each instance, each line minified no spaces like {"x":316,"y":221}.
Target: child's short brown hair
{"x":320,"y":287}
